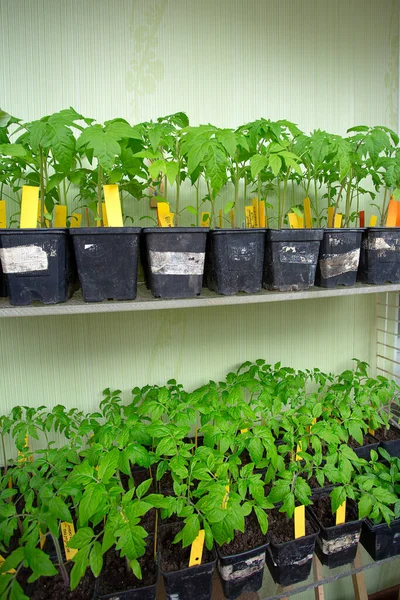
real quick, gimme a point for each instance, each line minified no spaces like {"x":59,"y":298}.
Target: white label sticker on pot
{"x":24,"y":259}
{"x":379,"y":244}
{"x":89,"y":246}
{"x":290,"y":253}
{"x":337,"y":264}
{"x":177,"y":263}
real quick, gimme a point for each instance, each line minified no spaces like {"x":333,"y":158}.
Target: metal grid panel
{"x":388,"y":335}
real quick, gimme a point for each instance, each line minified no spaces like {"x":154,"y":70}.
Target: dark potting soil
{"x":251,"y":538}
{"x":172,"y":556}
{"x":166,"y":482}
{"x":368,"y":439}
{"x":138,"y":477}
{"x":281,"y":529}
{"x":387,"y":435}
{"x":117,"y":577}
{"x":148,"y":521}
{"x":50,"y":588}
{"x":321,"y":507}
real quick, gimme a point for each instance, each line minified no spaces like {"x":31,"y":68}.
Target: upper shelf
{"x":145,"y":301}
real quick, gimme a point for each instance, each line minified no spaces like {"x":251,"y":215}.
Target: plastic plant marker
{"x":293,"y":221}
{"x":256,"y":212}
{"x":113,"y":206}
{"x":67,"y":532}
{"x":373,"y":220}
{"x":3,"y":214}
{"x":196,"y":550}
{"x":331,"y":212}
{"x":249,"y":212}
{"x":21,"y":455}
{"x":299,"y":521}
{"x":300,"y":222}
{"x":341,"y":514}
{"x":11,"y":571}
{"x":205,"y":219}
{"x":244,"y":430}
{"x":232,"y":217}
{"x":60,"y":215}
{"x":392,"y":214}
{"x":104,"y":214}
{"x":371,"y":431}
{"x":76,"y":220}
{"x":42,"y":540}
{"x":29,"y":207}
{"x":398,"y":215}
{"x":220,"y":218}
{"x":226,"y":498}
{"x":362,"y":218}
{"x":337,"y":223}
{"x":307,"y":212}
{"x":165,"y":217}
{"x":262,"y":222}
{"x":10,"y":482}
{"x":298,"y":449}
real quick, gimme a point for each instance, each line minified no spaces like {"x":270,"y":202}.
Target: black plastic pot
{"x":365,"y":451}
{"x":290,"y":562}
{"x":339,"y":256}
{"x":381,"y":541}
{"x":141,"y":593}
{"x":193,"y":582}
{"x":336,"y":545}
{"x":241,"y":573}
{"x":291,"y":257}
{"x":380,"y":255}
{"x":3,"y":289}
{"x":174,"y":259}
{"x":234,"y":260}
{"x":107,"y":261}
{"x":392,"y":446}
{"x":37,"y":265}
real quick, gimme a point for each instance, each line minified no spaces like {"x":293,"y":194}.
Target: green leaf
{"x":105,"y":147}
{"x":82,"y":538}
{"x":108,"y":465}
{"x":356,"y":432}
{"x":279,"y":491}
{"x":135,"y":566}
{"x":39,"y":562}
{"x":81,"y":562}
{"x":275,"y":162}
{"x":338,"y":496}
{"x":384,"y":496}
{"x":171,"y":171}
{"x":92,"y":501}
{"x":190,"y":530}
{"x":258,"y":162}
{"x":96,"y":559}
{"x":14,"y":150}
{"x":302,"y":491}
{"x":59,"y":509}
{"x":256,"y":449}
{"x":364,"y":506}
{"x":143,"y":488}
{"x":228,"y":207}
{"x":262,"y":519}
{"x":17,"y":592}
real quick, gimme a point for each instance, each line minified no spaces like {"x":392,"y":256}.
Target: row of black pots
{"x":40,"y":264}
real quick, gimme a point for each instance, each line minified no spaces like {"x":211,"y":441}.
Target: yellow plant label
{"x":299,"y":521}
{"x":165,"y":217}
{"x":76,"y":220}
{"x":42,"y":540}
{"x":205,"y":219}
{"x":232,"y":217}
{"x":10,"y":482}
{"x":244,"y":430}
{"x":60,"y":215}
{"x":68,"y":532}
{"x":307,"y":212}
{"x":220,"y":218}
{"x":2,"y":560}
{"x":341,"y":514}
{"x":104,"y":214}
{"x":226,"y":498}
{"x":298,"y":449}
{"x":300,"y":222}
{"x":371,"y":431}
{"x":293,"y":223}
{"x":262,"y":222}
{"x":29,"y":207}
{"x":196,"y":550}
{"x":331,"y":212}
{"x":249,"y":214}
{"x":3,"y":214}
{"x":337,"y":223}
{"x":256,"y":212}
{"x":21,"y":455}
{"x":113,"y":206}
{"x":312,"y":423}
{"x":373,"y":220}
{"x":392,"y":213}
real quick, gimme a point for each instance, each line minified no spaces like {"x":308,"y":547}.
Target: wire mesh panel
{"x":388,"y":335}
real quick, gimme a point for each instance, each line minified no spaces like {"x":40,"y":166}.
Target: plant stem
{"x":383,"y":214}
{"x":197,"y":203}
{"x":60,"y":560}
{"x":42,"y":186}
{"x":245,"y":187}
{"x":259,"y":187}
{"x":99,"y":203}
{"x":155,"y":535}
{"x":4,"y":454}
{"x":316,"y":203}
{"x":236,"y":196}
{"x":211,"y":202}
{"x":178,"y":187}
{"x":348,"y":204}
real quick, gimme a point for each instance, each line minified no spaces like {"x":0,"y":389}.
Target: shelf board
{"x":145,"y":301}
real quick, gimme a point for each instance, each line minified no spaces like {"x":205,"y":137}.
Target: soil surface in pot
{"x":148,"y":521}
{"x":117,"y":577}
{"x":281,"y":529}
{"x":50,"y":588}
{"x":172,"y":556}
{"x":368,"y":439}
{"x":314,"y":483}
{"x":138,"y":477}
{"x":251,"y":538}
{"x":387,"y":435}
{"x":321,"y":507}
{"x":166,"y":482}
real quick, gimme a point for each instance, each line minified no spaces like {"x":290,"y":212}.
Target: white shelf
{"x":145,"y":301}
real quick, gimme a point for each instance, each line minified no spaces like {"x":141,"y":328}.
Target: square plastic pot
{"x":336,"y":545}
{"x":242,"y":572}
{"x":290,"y":562}
{"x":381,"y":541}
{"x":234,"y":260}
{"x":107,"y":261}
{"x":37,"y":265}
{"x":291,"y":257}
{"x":187,"y":584}
{"x":143,"y":593}
{"x":174,"y":259}
{"x":392,"y":446}
{"x":365,"y":451}
{"x":339,"y":257}
{"x":380,"y":255}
